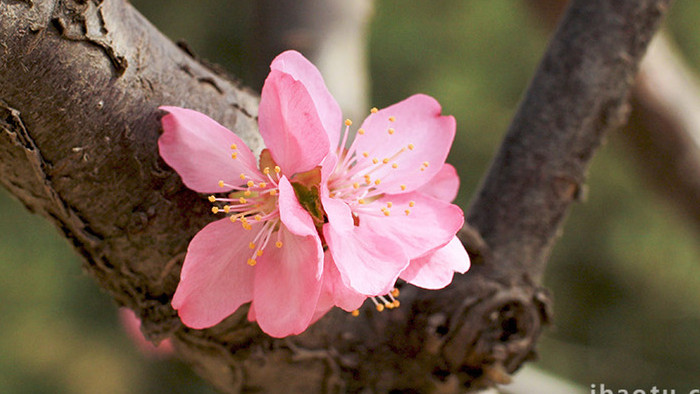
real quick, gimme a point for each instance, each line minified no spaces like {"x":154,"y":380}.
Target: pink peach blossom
{"x":387,"y":199}
{"x":270,"y":231}
{"x":132,"y":326}
{"x":380,"y":208}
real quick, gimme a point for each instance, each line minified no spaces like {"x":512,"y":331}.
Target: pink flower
{"x":271,"y":230}
{"x":132,"y":326}
{"x":387,"y":199}
{"x":380,"y":208}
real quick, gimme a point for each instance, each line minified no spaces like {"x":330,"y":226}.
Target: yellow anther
{"x":215,"y":209}
{"x":266,"y":170}
{"x":227,"y":208}
{"x":411,"y":204}
{"x":386,"y":212}
{"x":262,"y":185}
{"x":252,"y":262}
{"x":258,"y":218}
{"x":277,"y":169}
{"x":273,"y":192}
{"x":247,"y":193}
{"x":250,"y":183}
{"x":411,"y":146}
{"x":397,"y":303}
{"x":234,"y":146}
{"x":242,"y":200}
{"x":246,"y":226}
{"x":395,"y":165}
{"x":242,"y":176}
{"x":348,"y":122}
{"x":278,"y":244}
{"x":355,"y":185}
{"x":375,"y":160}
{"x":355,"y":313}
{"x":380,"y":307}
{"x":394,"y":292}
{"x":373,"y":110}
{"x":233,"y":218}
{"x":392,"y":119}
{"x":365,"y":154}
{"x":389,"y":204}
{"x":221,"y":183}
{"x":389,"y":305}
{"x":385,"y":161}
{"x":244,"y":220}
{"x":403,"y":187}
{"x":259,"y":253}
{"x":234,"y":155}
{"x":361,"y":201}
{"x":331,"y":194}
{"x":251,"y":245}
{"x":377,"y":181}
{"x":407,"y":212}
{"x":361,"y":131}
{"x":422,"y":168}
{"x":212,"y":198}
{"x":391,"y":131}
{"x":425,"y":164}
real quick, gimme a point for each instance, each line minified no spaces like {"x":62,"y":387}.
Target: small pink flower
{"x":132,"y":326}
{"x":380,"y":209}
{"x":387,"y":199}
{"x":270,"y":231}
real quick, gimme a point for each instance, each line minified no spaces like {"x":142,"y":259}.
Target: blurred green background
{"x":625,"y":274}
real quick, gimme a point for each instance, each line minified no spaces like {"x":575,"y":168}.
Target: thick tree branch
{"x":79,"y":88}
{"x":579,"y":92}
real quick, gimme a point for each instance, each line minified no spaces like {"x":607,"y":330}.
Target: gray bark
{"x":80,"y":82}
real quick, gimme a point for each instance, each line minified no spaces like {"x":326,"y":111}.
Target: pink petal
{"x":293,"y":63}
{"x":251,"y":313}
{"x":418,"y":123}
{"x":324,"y":304}
{"x":338,"y":212}
{"x":328,"y":166}
{"x":132,"y":326}
{"x":430,"y":224}
{"x":435,"y":270}
{"x":215,"y":278}
{"x":199,"y":149}
{"x":334,"y":288}
{"x":444,"y":185}
{"x":290,"y":125}
{"x":286,"y":287}
{"x":369,"y":263}
{"x":298,"y":220}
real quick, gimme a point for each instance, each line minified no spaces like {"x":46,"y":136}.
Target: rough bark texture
{"x":79,"y":86}
{"x":663,"y":131}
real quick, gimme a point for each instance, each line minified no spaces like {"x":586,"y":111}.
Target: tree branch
{"x":79,"y":90}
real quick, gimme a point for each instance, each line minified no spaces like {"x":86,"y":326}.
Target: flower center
{"x":355,"y":178}
{"x":253,"y":202}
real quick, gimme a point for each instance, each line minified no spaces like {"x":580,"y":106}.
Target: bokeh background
{"x":625,"y":275}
